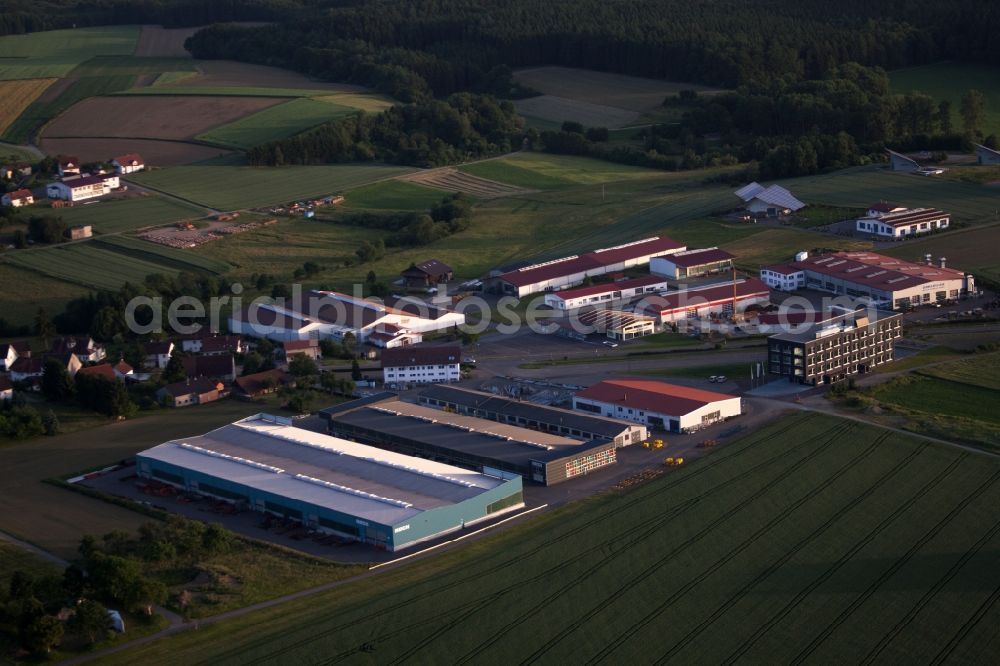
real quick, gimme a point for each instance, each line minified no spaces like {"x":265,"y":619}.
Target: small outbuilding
{"x":428,"y":273}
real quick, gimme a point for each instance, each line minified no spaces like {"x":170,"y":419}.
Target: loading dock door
{"x":675,"y":425}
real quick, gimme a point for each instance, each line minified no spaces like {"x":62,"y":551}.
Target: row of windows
{"x":589,"y":463}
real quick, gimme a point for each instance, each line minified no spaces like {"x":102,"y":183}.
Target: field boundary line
{"x":746,"y":444}
{"x":457,"y":539}
{"x":844,"y":559}
{"x":900,"y":562}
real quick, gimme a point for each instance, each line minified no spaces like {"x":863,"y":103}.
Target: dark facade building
{"x":827,"y":351}
{"x":494,"y":449}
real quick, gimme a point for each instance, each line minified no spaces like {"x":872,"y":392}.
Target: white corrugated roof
{"x":776,"y":195}
{"x":748,"y":192}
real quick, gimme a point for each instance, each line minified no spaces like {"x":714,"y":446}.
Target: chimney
{"x":942,"y":261}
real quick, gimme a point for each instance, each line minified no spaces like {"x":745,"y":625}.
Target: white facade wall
{"x":557,"y":301}
{"x":721,"y":306}
{"x":422,"y":374}
{"x":875,"y":226}
{"x":783,"y":281}
{"x":691,"y":421}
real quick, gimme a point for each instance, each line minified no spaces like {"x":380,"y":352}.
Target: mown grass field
{"x":981,"y":371}
{"x":951,"y":80}
{"x":812,"y":539}
{"x":277,"y":122}
{"x":42,"y":111}
{"x":952,"y":399}
{"x":56,"y":519}
{"x":118,"y":215}
{"x":393,"y":195}
{"x":544,"y":171}
{"x":34,"y":291}
{"x":88,"y":265}
{"x":15,"y":96}
{"x":231,"y":188}
{"x":53,"y":54}
{"x":170,"y":256}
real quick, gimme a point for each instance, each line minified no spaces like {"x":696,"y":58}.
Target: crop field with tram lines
{"x":813,"y":540}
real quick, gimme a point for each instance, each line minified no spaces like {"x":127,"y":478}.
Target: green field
{"x":118,"y":215}
{"x":88,"y":265}
{"x":862,"y":186}
{"x":943,"y":397}
{"x":812,"y":539}
{"x":393,"y":195}
{"x":544,"y":171}
{"x":34,"y":291}
{"x":237,"y":188}
{"x":277,"y":122}
{"x":951,"y":80}
{"x":980,"y":371}
{"x":184,"y":260}
{"x":55,"y":53}
{"x":40,"y":112}
{"x":972,"y":250}
{"x":56,"y":519}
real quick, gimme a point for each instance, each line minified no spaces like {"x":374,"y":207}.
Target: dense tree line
{"x":428,"y":133}
{"x":412,"y":47}
{"x":452,"y":215}
{"x":20,"y":16}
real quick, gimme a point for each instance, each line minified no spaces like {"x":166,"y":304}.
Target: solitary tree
{"x":973,"y":110}
{"x":91,"y":620}
{"x":57,"y":385}
{"x":175,"y":372}
{"x":44,"y":328}
{"x":301,"y":365}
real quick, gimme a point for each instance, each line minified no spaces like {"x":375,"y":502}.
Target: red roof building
{"x":659,"y":405}
{"x":717,"y":299}
{"x":568,"y":271}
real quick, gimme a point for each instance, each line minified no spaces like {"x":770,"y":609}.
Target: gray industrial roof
{"x":358,"y":480}
{"x":597,"y":425}
{"x":479,"y":443}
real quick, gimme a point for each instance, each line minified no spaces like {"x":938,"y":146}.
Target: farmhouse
{"x":84,"y":346}
{"x":263,"y":383}
{"x":309,"y":348}
{"x":428,"y":273}
{"x":608,"y":292}
{"x":572,"y":270}
{"x":617,"y":325}
{"x":901,"y":223}
{"x":18,"y":198}
{"x":418,"y":364}
{"x":771,"y":201}
{"x":190,"y":392}
{"x":158,"y":354}
{"x":842,"y":344}
{"x":79,"y":188}
{"x":497,"y":449}
{"x":6,"y":388}
{"x":723,"y":298}
{"x":126,"y":164}
{"x":888,"y":282}
{"x":692,"y":263}
{"x":900,"y":162}
{"x":80,"y":231}
{"x":986,"y":155}
{"x":658,"y":405}
{"x":69,"y":165}
{"x":329,"y":314}
{"x":530,"y":415}
{"x":388,"y":500}
{"x":26,"y":368}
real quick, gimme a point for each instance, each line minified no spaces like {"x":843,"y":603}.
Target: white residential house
{"x":69,"y":166}
{"x":126,"y":164}
{"x":82,"y":187}
{"x":18,"y":198}
{"x":421,"y":365}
